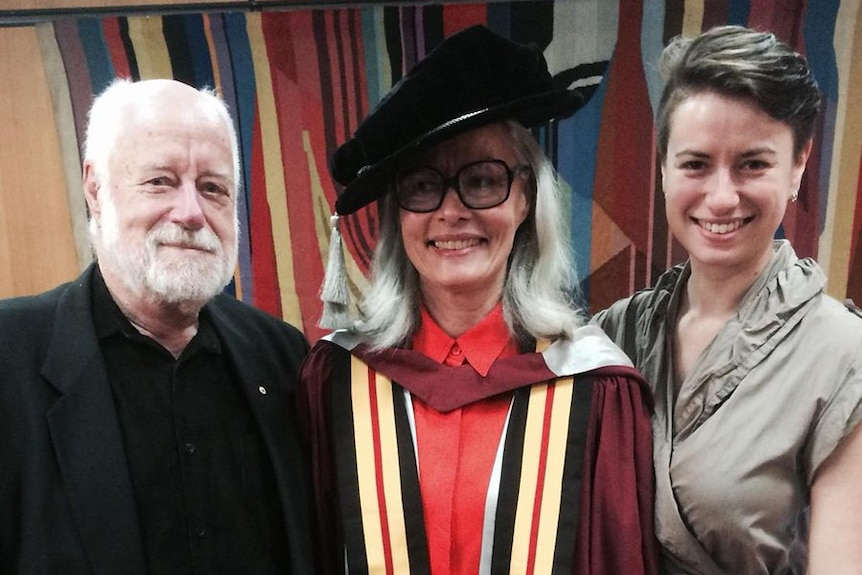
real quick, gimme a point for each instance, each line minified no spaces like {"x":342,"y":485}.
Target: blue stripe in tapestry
{"x":96,"y":51}
{"x":500,"y":19}
{"x":198,"y":50}
{"x":819,"y":22}
{"x":374,"y":71}
{"x":239,"y":65}
{"x":737,"y":13}
{"x":576,"y":146}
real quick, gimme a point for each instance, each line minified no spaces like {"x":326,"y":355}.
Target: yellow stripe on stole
{"x":366,"y":464}
{"x":549,"y":512}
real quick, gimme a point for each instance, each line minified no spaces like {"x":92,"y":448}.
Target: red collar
{"x":480,"y":346}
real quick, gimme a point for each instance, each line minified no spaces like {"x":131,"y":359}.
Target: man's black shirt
{"x":205,"y":490}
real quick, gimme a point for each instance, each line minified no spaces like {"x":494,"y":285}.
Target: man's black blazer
{"x":66,"y":501}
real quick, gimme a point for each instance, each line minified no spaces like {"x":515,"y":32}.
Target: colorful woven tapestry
{"x":299,"y":82}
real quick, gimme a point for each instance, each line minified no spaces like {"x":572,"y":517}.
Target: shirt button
{"x":456,"y":350}
{"x":189,"y":448}
{"x":201,"y":532}
{"x":262,"y":390}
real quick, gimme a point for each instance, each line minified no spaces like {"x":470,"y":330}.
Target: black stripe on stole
{"x":344,"y":451}
{"x":507,"y":499}
{"x":510,"y":481}
{"x":414,"y":517}
{"x":573,"y":473}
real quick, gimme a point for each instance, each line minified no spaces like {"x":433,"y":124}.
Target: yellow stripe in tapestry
{"x":837,"y":238}
{"x":151,"y":52}
{"x":276,"y":193}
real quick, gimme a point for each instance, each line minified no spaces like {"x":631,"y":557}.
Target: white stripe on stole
{"x":411,"y":419}
{"x":488,"y":523}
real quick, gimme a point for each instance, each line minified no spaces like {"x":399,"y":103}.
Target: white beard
{"x":166,"y":274}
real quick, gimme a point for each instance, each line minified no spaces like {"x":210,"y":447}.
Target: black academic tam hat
{"x":473,"y":78}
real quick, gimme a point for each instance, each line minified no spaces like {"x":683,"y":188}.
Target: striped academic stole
{"x":533,"y":521}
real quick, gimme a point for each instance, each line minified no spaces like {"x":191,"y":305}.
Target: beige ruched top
{"x":767,"y":401}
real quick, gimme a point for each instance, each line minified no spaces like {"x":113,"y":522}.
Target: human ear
{"x":799,"y":163}
{"x":91,"y":188}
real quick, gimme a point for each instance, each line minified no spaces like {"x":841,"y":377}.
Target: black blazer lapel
{"x":258,"y":361}
{"x":88,"y":442}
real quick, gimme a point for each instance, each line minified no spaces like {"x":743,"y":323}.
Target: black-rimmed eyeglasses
{"x":479,"y":185}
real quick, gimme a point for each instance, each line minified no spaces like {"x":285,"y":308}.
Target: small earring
{"x":794,"y":196}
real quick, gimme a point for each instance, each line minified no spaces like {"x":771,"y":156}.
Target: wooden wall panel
{"x":37,"y":248}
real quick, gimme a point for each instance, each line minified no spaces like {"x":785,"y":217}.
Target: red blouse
{"x":456,"y":450}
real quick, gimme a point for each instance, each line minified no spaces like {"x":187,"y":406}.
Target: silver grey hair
{"x":741,"y":63}
{"x":540,"y":295}
{"x":105,"y":124}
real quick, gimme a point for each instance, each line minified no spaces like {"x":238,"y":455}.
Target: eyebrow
{"x":227,"y":176}
{"x":764,"y":150}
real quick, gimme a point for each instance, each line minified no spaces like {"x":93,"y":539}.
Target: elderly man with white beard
{"x":146,"y":417}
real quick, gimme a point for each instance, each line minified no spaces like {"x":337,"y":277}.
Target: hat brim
{"x":371,"y":183}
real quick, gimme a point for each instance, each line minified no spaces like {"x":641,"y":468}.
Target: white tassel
{"x":335,"y":293}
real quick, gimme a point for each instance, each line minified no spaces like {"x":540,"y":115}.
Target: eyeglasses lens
{"x":419,"y":189}
{"x":484,"y":184}
{"x":480,"y":185}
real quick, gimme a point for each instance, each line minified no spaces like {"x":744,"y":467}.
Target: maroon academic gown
{"x":573,"y":487}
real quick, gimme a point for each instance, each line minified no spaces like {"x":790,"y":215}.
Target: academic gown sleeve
{"x":616,"y":532}
{"x":312,"y":404}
